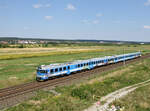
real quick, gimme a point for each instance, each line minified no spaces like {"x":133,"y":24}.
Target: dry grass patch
{"x":144,"y":104}
{"x":35,"y":102}
{"x":139,"y":100}
{"x":41,"y":54}
{"x":115,"y":85}
{"x":13,"y":78}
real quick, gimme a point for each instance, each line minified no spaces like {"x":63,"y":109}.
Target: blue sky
{"x":76,"y":19}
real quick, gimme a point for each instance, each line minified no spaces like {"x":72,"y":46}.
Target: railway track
{"x":11,"y":92}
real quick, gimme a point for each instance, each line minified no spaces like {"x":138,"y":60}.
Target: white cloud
{"x":70,"y":7}
{"x":37,"y":5}
{"x":48,"y":17}
{"x":95,"y":21}
{"x":147,"y":3}
{"x":41,"y":5}
{"x":99,"y":15}
{"x":146,"y":26}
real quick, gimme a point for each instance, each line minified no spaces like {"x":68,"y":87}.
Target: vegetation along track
{"x":11,"y":92}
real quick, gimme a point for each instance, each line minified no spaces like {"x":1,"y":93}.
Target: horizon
{"x":28,"y":38}
{"x":71,"y":20}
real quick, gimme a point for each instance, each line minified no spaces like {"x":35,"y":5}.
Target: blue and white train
{"x":44,"y":72}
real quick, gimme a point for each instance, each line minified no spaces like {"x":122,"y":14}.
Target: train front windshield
{"x":42,"y":71}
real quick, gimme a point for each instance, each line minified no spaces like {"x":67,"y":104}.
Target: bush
{"x":21,"y":46}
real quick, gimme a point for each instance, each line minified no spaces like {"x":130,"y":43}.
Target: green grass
{"x":20,"y":69}
{"x":79,"y":96}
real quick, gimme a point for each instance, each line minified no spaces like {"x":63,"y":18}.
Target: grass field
{"x":79,"y":96}
{"x":138,"y":100}
{"x":19,"y":65}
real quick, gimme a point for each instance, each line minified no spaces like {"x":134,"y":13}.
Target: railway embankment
{"x":79,"y":96}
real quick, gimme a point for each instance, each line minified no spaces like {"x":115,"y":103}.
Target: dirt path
{"x":108,"y":99}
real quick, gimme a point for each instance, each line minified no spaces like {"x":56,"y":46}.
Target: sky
{"x":127,"y":20}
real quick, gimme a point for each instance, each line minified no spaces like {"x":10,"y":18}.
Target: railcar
{"x":44,"y":72}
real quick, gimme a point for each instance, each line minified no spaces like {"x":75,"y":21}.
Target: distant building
{"x":42,"y":42}
{"x":142,"y":43}
{"x":119,"y":42}
{"x":26,"y":42}
{"x":3,"y":42}
{"x":31,"y":42}
{"x":101,"y":42}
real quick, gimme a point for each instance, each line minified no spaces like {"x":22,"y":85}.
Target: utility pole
{"x":124,"y":62}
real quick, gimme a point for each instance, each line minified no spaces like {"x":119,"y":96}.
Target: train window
{"x":84,"y":64}
{"x":42,"y":71}
{"x":87,"y":63}
{"x":81,"y":65}
{"x":94,"y":62}
{"x":56,"y":70}
{"x":51,"y":71}
{"x":68,"y":67}
{"x":64,"y":68}
{"x":78,"y":65}
{"x":60,"y":69}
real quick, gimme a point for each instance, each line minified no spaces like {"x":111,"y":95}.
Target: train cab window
{"x":42,"y":71}
{"x":56,"y":70}
{"x":68,"y":67}
{"x":51,"y":71}
{"x":64,"y":68}
{"x":60,"y":69}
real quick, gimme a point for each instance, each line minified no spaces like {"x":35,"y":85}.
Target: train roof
{"x":52,"y":66}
